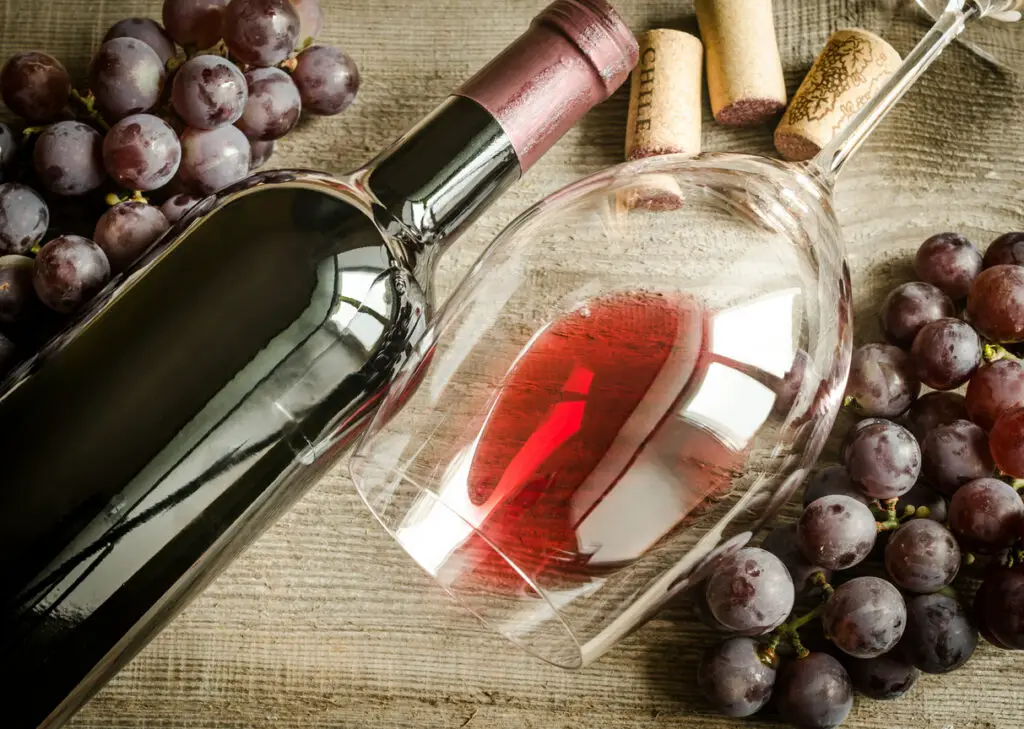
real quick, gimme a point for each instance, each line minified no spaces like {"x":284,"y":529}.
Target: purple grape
{"x":1001,"y":610}
{"x":940,"y":635}
{"x":836,"y":532}
{"x":68,"y":158}
{"x":782,"y":542}
{"x":127,"y":230}
{"x":259,"y":154}
{"x":995,"y":305}
{"x":750,"y":592}
{"x":983,"y":600}
{"x":734,"y":679}
{"x":311,"y":19}
{"x":35,"y":86}
{"x":24,"y":218}
{"x":854,"y":431}
{"x":1006,"y":442}
{"x":213,"y":159}
{"x":175,"y":207}
{"x":8,"y":148}
{"x":16,"y":291}
{"x":934,"y":409}
{"x":814,"y":692}
{"x":909,"y":307}
{"x":922,"y":556}
{"x":994,"y":389}
{"x":69,"y":271}
{"x":195,"y":23}
{"x":946,"y":353}
{"x":142,"y":152}
{"x":829,"y":482}
{"x":882,"y":678}
{"x":882,"y":381}
{"x":149,"y":32}
{"x":924,"y":496}
{"x":209,"y":92}
{"x":327,"y":79}
{"x":865,"y":617}
{"x":884,"y":460}
{"x":948,"y":261}
{"x":1007,"y":249}
{"x":273,"y":107}
{"x":703,"y":611}
{"x":954,"y":454}
{"x":986,"y":515}
{"x":261,"y":32}
{"x":127,"y":77}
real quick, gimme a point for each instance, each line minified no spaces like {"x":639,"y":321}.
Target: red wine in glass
{"x":584,"y":462}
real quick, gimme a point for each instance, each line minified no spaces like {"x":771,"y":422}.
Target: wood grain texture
{"x":324,"y":622}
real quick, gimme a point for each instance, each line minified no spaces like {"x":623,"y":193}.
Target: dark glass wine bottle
{"x":215,"y":380}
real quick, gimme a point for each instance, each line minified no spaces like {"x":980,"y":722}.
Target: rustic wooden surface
{"x":324,"y":622}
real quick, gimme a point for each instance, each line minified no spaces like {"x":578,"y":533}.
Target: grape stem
{"x":114,"y":199}
{"x":892,"y":521}
{"x":850,"y":402}
{"x":790,"y":630}
{"x":289,"y":64}
{"x":88,"y":102}
{"x":996,"y":352}
{"x":220,"y":48}
{"x":29,"y":132}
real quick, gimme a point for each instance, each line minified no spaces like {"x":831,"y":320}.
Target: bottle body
{"x":155,"y":441}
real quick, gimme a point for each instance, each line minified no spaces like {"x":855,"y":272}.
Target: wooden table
{"x":324,"y":622}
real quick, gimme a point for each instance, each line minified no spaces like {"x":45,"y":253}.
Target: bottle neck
{"x":435,"y":181}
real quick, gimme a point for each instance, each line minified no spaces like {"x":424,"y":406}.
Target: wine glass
{"x":635,"y":375}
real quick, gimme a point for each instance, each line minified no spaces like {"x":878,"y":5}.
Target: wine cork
{"x":745,"y":80}
{"x":851,"y":69}
{"x":665,"y":96}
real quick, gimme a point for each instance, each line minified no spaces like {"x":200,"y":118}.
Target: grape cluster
{"x":174,"y":112}
{"x":927,"y":483}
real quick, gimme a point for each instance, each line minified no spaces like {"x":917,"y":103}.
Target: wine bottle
{"x":216,"y":379}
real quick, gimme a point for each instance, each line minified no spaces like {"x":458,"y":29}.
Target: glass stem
{"x":949,"y":25}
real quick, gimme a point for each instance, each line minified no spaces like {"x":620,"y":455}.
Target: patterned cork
{"x":745,"y":79}
{"x":665,"y":96}
{"x":851,"y":69}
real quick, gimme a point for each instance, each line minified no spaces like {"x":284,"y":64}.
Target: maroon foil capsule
{"x":575,"y":54}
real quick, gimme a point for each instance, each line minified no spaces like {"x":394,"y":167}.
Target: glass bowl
{"x":634,"y":376}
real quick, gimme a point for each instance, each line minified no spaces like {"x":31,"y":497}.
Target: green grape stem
{"x":88,"y":103}
{"x":790,"y":630}
{"x":220,"y":48}
{"x":289,"y":64}
{"x":850,"y":402}
{"x":29,"y":132}
{"x":996,"y":352}
{"x":892,"y":521}
{"x":113,"y":198}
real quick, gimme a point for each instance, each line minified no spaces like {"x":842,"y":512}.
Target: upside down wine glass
{"x":635,"y":375}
